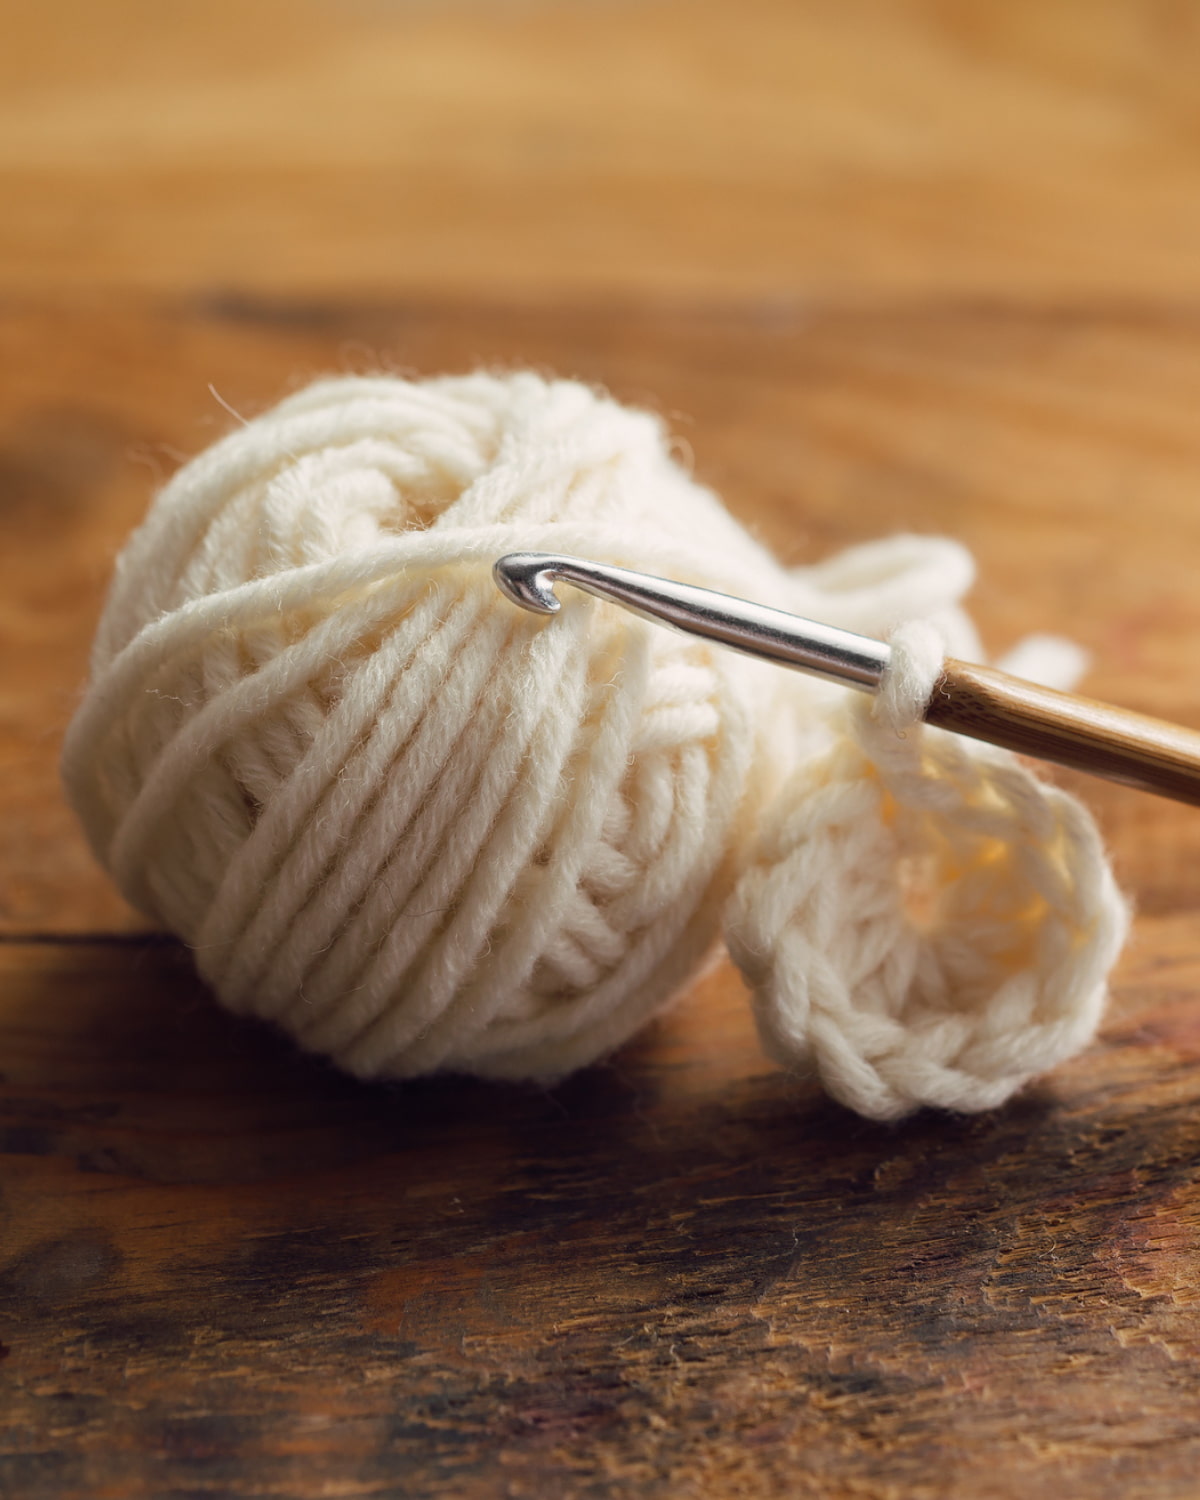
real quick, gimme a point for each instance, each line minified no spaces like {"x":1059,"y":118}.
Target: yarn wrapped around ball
{"x":423,"y":831}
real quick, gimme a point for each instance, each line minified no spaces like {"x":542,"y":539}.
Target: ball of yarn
{"x":422,"y":830}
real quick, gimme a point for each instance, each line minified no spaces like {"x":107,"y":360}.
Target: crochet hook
{"x":980,"y":702}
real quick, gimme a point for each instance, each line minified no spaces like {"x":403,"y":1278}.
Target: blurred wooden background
{"x":886,"y":264}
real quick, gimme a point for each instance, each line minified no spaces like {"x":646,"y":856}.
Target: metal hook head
{"x":528,"y":580}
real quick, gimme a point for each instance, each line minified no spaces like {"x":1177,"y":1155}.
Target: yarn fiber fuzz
{"x":422,"y":830}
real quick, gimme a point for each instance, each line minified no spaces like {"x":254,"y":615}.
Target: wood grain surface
{"x":929,"y":265}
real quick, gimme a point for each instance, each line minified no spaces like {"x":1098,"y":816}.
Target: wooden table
{"x":886,"y":265}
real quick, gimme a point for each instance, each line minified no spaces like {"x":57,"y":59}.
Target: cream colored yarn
{"x":422,"y":830}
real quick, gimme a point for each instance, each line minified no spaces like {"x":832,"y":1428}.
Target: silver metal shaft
{"x":528,"y":578}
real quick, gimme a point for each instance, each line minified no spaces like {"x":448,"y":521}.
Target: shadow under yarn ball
{"x":423,"y":831}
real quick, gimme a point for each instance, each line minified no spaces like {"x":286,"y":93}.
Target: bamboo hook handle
{"x":1132,"y":748}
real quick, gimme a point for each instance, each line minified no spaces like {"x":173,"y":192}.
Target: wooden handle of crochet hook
{"x":1139,"y":751}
